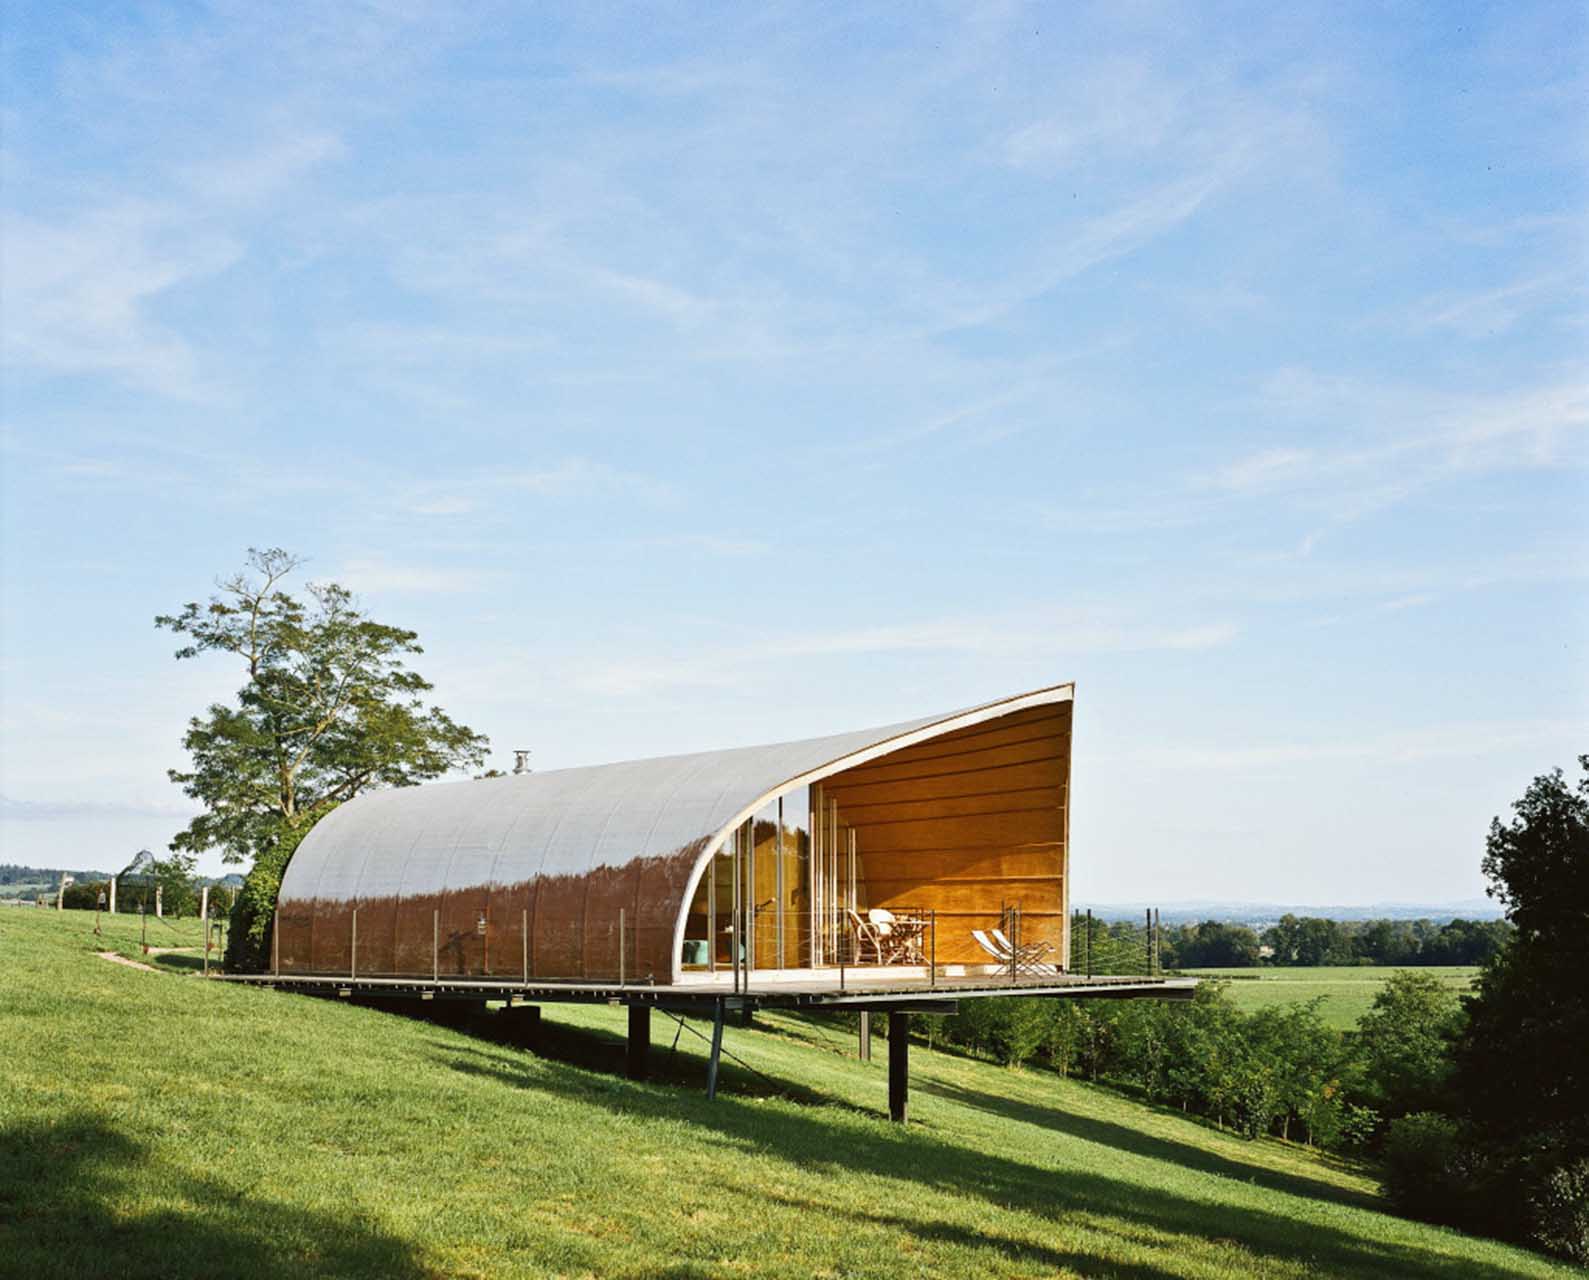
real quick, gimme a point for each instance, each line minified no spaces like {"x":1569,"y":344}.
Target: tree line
{"x":1315,"y":941}
{"x":1474,"y":1105}
{"x":179,"y":890}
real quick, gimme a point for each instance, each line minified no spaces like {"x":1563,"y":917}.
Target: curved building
{"x":766,"y":860}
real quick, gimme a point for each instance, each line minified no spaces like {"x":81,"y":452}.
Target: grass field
{"x":153,"y":1124}
{"x":1347,"y":991}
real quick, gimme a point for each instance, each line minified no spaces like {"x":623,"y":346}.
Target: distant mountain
{"x":11,"y":874}
{"x":1268,"y":912}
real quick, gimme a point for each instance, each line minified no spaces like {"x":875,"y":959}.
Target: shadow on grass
{"x":1121,"y":1137}
{"x":71,"y":1197}
{"x":597,"y":1050}
{"x":1145,"y":1217}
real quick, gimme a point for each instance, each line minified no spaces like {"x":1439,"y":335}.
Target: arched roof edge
{"x":1048,"y":696}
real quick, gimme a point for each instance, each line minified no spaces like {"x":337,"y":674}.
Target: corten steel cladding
{"x":958,"y":814}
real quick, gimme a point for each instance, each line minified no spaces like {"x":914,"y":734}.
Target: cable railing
{"x":927,"y":945}
{"x":1101,"y":948}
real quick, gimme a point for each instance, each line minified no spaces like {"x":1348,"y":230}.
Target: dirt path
{"x":131,"y":964}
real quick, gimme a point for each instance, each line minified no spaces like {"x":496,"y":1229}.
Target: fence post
{"x":933,"y":925}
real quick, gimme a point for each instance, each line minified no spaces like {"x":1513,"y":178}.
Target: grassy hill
{"x":153,"y":1124}
{"x":1348,"y":990}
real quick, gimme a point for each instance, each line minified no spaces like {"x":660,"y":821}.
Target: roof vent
{"x":521,"y":761}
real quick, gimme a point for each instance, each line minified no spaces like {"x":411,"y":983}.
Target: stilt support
{"x":865,"y":1050}
{"x":526,"y":1023}
{"x":717,"y":1051}
{"x":898,"y":1066}
{"x":639,"y":1041}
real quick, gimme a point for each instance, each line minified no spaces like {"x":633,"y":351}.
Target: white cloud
{"x":1453,"y":741}
{"x":711,"y":544}
{"x":79,"y":295}
{"x":88,"y":810}
{"x":755,"y":660}
{"x":447,"y":506}
{"x":587,"y":478}
{"x":1395,"y":440}
{"x":1262,"y":470}
{"x":376,"y":574}
{"x":252,"y":177}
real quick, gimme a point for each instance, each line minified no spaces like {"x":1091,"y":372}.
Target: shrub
{"x":248,"y":939}
{"x":1420,"y":1155}
{"x":83,"y":895}
{"x":1559,"y":1212}
{"x":1009,"y":1030}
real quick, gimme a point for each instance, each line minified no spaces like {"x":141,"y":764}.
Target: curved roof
{"x":423,"y":841}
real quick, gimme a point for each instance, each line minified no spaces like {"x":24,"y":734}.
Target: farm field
{"x":154,"y":1124}
{"x":1348,"y":991}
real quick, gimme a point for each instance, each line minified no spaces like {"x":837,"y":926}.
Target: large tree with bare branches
{"x":328,"y":709}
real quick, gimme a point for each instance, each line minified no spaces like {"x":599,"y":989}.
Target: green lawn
{"x":1347,"y":991}
{"x":157,"y":1125}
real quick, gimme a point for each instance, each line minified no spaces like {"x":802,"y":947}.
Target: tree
{"x":1406,"y":1038}
{"x":1308,"y":941}
{"x":328,"y":709}
{"x":1523,"y":1061}
{"x":1521,"y":1066}
{"x":175,"y":876}
{"x":1214,"y":945}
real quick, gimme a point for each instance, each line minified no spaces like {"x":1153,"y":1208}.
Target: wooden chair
{"x":865,"y":932}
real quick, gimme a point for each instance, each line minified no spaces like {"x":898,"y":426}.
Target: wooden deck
{"x":878,"y":988}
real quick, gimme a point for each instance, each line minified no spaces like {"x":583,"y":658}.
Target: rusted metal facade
{"x":574,"y":874}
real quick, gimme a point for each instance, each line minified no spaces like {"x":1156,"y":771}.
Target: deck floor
{"x":782,"y":990}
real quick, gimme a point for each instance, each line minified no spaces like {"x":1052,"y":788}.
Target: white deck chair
{"x":1028,"y":955}
{"x":1002,"y":955}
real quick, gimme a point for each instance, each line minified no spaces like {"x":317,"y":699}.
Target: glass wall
{"x":790,"y":873}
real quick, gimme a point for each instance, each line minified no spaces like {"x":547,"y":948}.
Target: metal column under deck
{"x":637,"y":1061}
{"x":898,"y":1066}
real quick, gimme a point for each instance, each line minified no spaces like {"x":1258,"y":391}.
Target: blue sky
{"x":700,"y":375}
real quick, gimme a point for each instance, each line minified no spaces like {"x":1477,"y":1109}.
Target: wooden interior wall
{"x":968,"y":824}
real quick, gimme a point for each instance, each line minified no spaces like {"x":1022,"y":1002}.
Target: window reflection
{"x":792,"y":872}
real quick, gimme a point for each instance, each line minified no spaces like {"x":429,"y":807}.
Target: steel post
{"x":638,"y":1058}
{"x":717,"y":1051}
{"x":898,"y":1066}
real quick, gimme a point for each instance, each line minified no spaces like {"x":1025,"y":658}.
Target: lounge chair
{"x":1023,"y":960}
{"x":1028,"y":953}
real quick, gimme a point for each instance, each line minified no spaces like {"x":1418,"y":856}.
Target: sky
{"x":693,"y":376}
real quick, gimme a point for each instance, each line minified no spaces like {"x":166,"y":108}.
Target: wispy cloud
{"x":249,"y":178}
{"x":752,"y":660}
{"x":1488,"y":313}
{"x":381,"y":575}
{"x":1456,"y":740}
{"x":448,"y":506}
{"x":79,"y":295}
{"x":1393,"y":441}
{"x":587,"y":478}
{"x":710,"y":544}
{"x":87,"y":810}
